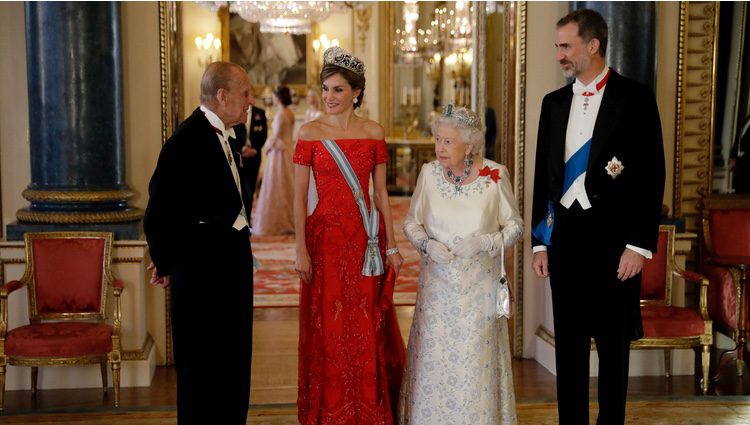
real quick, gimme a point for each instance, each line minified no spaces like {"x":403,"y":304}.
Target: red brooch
{"x":493,"y":173}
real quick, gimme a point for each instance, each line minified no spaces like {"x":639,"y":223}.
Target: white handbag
{"x":504,"y":296}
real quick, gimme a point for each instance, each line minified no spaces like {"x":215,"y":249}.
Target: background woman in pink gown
{"x":273,"y":215}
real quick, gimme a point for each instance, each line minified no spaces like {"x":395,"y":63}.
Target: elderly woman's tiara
{"x":339,"y":57}
{"x":463,"y":115}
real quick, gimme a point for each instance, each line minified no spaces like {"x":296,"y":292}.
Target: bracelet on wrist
{"x":391,"y":251}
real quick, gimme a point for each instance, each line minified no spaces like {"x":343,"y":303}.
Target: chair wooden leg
{"x":34,"y":379}
{"x":2,"y":387}
{"x":667,"y":363}
{"x":706,"y":363}
{"x":116,"y":381}
{"x":103,"y":366}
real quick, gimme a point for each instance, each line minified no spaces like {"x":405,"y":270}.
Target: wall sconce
{"x":207,"y":47}
{"x":320,"y":45}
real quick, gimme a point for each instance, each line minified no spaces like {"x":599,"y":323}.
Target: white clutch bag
{"x":504,"y":296}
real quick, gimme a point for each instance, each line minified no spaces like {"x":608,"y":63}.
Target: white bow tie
{"x":580,"y":90}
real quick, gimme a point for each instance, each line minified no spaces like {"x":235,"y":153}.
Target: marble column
{"x":75,"y":122}
{"x":631,"y":50}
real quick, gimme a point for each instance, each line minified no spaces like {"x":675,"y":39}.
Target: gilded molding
{"x":171,"y":105}
{"x":548,"y":336}
{"x":142,"y":354}
{"x":479,"y":86}
{"x":76,"y":196}
{"x":545,"y":335}
{"x":696,"y":89}
{"x":127,"y":259}
{"x":362,"y":17}
{"x":45,"y":217}
{"x":385,"y":55}
{"x":520,"y":152}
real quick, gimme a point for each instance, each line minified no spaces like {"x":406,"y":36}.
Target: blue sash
{"x":543,"y":230}
{"x":373,"y":265}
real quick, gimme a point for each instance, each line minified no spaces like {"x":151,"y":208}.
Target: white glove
{"x":471,"y":246}
{"x":438,"y":252}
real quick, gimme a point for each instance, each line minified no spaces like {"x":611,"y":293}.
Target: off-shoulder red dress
{"x":350,"y":349}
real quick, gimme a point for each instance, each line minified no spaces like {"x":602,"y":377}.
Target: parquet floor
{"x":654,"y":400}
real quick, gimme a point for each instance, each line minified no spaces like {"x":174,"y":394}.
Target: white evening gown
{"x":458,"y":367}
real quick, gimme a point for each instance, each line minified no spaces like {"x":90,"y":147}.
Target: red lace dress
{"x":350,"y":349}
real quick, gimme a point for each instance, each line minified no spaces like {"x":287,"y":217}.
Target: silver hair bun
{"x":463,"y":115}
{"x":339,"y":57}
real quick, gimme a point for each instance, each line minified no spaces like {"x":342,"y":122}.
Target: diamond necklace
{"x":458,"y":180}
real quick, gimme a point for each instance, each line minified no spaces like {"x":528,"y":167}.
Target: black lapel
{"x":606,"y":119}
{"x":558,"y":131}
{"x":217,"y":150}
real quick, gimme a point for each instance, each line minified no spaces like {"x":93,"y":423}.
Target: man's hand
{"x":155,"y":280}
{"x":249,"y":151}
{"x":631,"y":263}
{"x":540,"y":264}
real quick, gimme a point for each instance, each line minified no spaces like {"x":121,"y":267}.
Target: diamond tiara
{"x":463,"y":115}
{"x":339,"y":57}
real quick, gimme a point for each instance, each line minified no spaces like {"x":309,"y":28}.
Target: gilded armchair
{"x":665,"y":326}
{"x":726,"y":245}
{"x":69,"y":282}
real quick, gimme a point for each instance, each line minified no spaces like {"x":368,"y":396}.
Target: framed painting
{"x":270,"y":59}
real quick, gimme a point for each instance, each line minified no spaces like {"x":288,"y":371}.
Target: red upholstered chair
{"x":667,"y":327}
{"x":69,"y":284}
{"x":726,"y":233}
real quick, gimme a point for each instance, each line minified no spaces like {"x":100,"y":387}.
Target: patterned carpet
{"x":277,"y":285}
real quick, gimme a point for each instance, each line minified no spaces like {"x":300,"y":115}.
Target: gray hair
{"x":217,"y":76}
{"x":473,"y":136}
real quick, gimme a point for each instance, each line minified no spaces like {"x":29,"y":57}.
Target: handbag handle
{"x":502,"y":256}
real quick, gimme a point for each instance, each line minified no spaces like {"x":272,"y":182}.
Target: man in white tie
{"x":198,"y":236}
{"x":251,"y":136}
{"x":598,"y":192}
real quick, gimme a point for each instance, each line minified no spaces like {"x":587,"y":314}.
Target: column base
{"x":131,"y":230}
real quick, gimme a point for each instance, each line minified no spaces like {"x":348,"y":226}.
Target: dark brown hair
{"x":284,"y":94}
{"x":355,"y":80}
{"x":590,"y":25}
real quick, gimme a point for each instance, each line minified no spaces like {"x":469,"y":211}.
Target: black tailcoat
{"x":586,"y":246}
{"x":193,"y":203}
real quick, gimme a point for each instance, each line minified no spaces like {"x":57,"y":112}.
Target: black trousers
{"x":212,"y":326}
{"x":589,"y":301}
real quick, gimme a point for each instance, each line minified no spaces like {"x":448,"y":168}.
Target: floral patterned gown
{"x":345,"y":352}
{"x":458,"y":365}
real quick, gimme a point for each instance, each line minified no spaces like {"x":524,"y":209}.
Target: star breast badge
{"x":614,"y":167}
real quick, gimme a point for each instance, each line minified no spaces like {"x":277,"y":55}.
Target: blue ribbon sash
{"x":543,"y":230}
{"x":373,"y":265}
{"x":576,"y":165}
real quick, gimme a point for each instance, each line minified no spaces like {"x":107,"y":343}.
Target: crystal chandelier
{"x":294,"y":17}
{"x":453,"y":26}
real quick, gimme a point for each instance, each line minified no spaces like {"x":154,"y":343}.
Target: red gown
{"x":350,"y":349}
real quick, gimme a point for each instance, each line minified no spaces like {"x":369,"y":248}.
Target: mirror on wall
{"x":465,"y":52}
{"x":431,"y":56}
{"x":731,"y":159}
